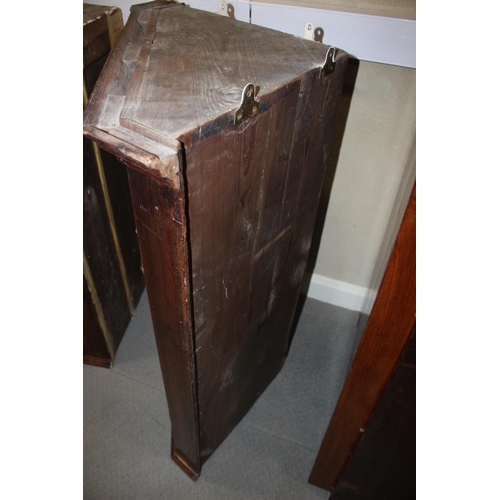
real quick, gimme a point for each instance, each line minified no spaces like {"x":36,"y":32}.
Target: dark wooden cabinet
{"x":368,"y":451}
{"x":382,"y":466}
{"x":225,"y":128}
{"x":113,"y":280}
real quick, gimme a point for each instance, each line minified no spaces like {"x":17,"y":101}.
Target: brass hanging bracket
{"x":249,"y":106}
{"x":329,"y":64}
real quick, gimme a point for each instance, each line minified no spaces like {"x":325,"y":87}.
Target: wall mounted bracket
{"x":249,"y":106}
{"x":329,"y":64}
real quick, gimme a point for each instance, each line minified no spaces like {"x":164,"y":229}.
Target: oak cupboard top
{"x":178,"y":74}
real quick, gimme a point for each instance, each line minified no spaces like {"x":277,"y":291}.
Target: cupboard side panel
{"x":162,"y":231}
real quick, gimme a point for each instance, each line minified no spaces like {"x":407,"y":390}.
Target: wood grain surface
{"x":101,"y":26}
{"x":253,"y":192}
{"x":100,"y":250}
{"x":95,"y":349}
{"x":162,"y":230}
{"x":383,"y":464}
{"x":177,"y":70}
{"x":113,"y":281}
{"x":386,"y":333}
{"x":173,"y":91}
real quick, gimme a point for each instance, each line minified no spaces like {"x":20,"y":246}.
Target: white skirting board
{"x":338,"y":293}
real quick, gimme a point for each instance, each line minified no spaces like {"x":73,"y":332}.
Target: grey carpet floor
{"x":268,"y":456}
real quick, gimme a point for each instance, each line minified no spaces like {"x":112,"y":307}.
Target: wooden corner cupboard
{"x":225,"y":128}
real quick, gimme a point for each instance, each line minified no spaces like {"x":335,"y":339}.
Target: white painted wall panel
{"x":366,"y":37}
{"x":371,"y":38}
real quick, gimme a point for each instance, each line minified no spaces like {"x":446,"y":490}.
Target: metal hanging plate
{"x":249,"y":106}
{"x":329,"y":64}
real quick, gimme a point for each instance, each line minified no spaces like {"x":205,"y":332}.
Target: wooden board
{"x":205,"y":79}
{"x":386,"y":333}
{"x":245,"y":288}
{"x":101,"y":27}
{"x":113,"y":280}
{"x":383,"y":464}
{"x":161,"y":225}
{"x":224,"y":212}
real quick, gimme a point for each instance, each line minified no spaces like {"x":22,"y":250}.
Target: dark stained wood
{"x":94,"y":346}
{"x":100,"y":251}
{"x":123,"y":215}
{"x":114,"y":281}
{"x":235,"y":182}
{"x":101,"y":25}
{"x":91,"y":73}
{"x":245,"y":288}
{"x":383,"y":465}
{"x":224,"y":212}
{"x":387,"y":331}
{"x":162,"y":229}
{"x":95,"y":40}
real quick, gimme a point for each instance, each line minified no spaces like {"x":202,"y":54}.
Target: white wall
{"x":377,"y":142}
